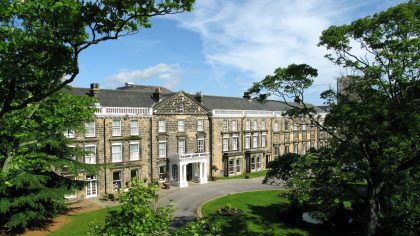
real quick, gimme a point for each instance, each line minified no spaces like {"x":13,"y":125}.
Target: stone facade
{"x":148,"y":142}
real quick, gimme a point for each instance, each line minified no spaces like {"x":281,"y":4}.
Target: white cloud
{"x":168,"y":74}
{"x":257,"y":36}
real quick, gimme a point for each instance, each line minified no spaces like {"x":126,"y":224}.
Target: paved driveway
{"x":187,"y":200}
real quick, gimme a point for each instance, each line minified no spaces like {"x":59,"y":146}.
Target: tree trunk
{"x":370,"y":220}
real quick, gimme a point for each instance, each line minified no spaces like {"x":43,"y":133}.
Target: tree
{"x":33,"y":151}
{"x":375,"y":124}
{"x":41,"y":41}
{"x":139,"y":214}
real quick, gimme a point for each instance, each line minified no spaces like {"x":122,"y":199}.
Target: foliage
{"x":281,"y":168}
{"x":200,"y":227}
{"x":374,"y":121}
{"x":33,"y":149}
{"x":139,"y":214}
{"x":41,"y":40}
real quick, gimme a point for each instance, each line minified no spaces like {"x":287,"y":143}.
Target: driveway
{"x":187,"y":200}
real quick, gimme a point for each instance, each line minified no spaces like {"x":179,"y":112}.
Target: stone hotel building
{"x":155,"y":134}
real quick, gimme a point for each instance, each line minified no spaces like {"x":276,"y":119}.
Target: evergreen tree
{"x":33,"y":152}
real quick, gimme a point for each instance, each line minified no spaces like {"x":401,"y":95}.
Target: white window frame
{"x":264,"y":139}
{"x":255,"y":125}
{"x":91,"y":184}
{"x":69,"y":134}
{"x":181,"y":146}
{"x":162,"y":126}
{"x":295,"y":127}
{"x":200,"y":144}
{"x":255,"y":141}
{"x":181,"y":126}
{"x":116,"y":129}
{"x":286,"y":125}
{"x":115,"y":156}
{"x":235,"y":139}
{"x":162,"y":151}
{"x":258,"y":163}
{"x":253,"y":163}
{"x":303,"y":127}
{"x":200,"y":125}
{"x":134,"y":127}
{"x":263,"y":125}
{"x":296,"y":148}
{"x":234,"y":125}
{"x":248,"y":125}
{"x":134,"y":155}
{"x":276,"y":126}
{"x":247,"y":141}
{"x":90,"y":129}
{"x":225,"y":126}
{"x":225,"y":143}
{"x":91,"y":156}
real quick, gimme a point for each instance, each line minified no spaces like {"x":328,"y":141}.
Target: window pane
{"x":134,"y":127}
{"x":134,"y":151}
{"x":116,"y":128}
{"x":116,"y":153}
{"x":90,"y":129}
{"x":200,"y":125}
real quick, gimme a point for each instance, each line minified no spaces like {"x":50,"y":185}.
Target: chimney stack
{"x":129,"y":84}
{"x":199,"y":97}
{"x":297,"y":100}
{"x":94,"y":90}
{"x":247,"y":95}
{"x":156,"y":94}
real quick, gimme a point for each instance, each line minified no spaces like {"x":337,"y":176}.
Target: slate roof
{"x":145,"y":88}
{"x":119,"y":98}
{"x":140,"y":98}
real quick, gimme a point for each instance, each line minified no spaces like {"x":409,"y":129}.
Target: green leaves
{"x":40,"y":41}
{"x":138,"y":215}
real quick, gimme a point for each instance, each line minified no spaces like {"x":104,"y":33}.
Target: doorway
{"x":189,"y":172}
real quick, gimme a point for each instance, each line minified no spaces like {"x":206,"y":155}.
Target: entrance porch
{"x":188,"y":167}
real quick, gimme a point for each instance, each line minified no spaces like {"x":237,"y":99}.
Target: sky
{"x":223,"y":46}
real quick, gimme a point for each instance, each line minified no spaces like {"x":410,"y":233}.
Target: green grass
{"x":260,"y":215}
{"x":242,"y":176}
{"x":79,"y":224}
{"x":260,"y":210}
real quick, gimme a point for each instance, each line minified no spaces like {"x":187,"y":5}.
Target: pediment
{"x":180,"y":103}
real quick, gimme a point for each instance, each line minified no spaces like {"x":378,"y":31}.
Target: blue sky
{"x":223,"y":46}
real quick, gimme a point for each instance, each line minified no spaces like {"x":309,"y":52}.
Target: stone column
{"x":183,"y":176}
{"x":204,"y":172}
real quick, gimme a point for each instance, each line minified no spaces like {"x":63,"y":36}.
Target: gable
{"x":180,"y":103}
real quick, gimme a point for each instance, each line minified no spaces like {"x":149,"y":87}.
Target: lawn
{"x":260,"y":215}
{"x":79,"y":224}
{"x":242,"y":176}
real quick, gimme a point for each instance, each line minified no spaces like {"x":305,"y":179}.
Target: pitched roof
{"x":144,"y":88}
{"x":119,"y":98}
{"x":142,"y":97}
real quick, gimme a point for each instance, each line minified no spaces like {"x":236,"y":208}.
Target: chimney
{"x":156,"y":94}
{"x":94,"y":90}
{"x":247,"y":95}
{"x":199,"y":97}
{"x":129,"y":84}
{"x":297,"y":99}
